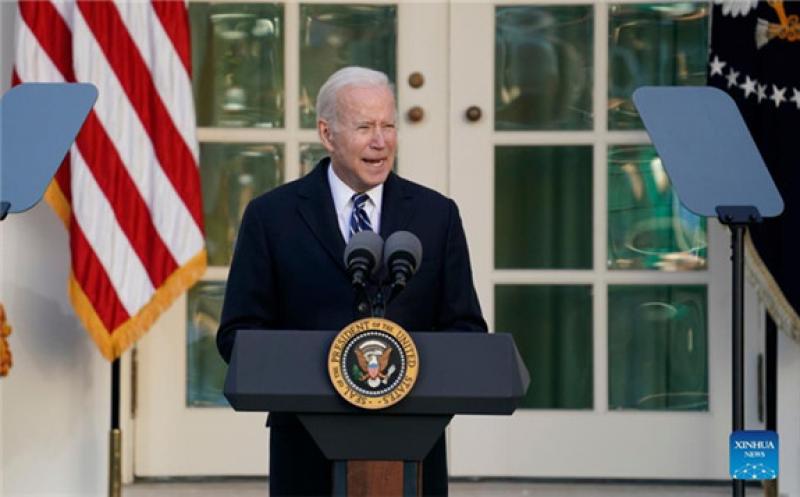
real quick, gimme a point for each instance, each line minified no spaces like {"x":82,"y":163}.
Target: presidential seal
{"x":373,"y":363}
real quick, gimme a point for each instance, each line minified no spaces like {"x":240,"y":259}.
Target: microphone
{"x":362,"y":256}
{"x":402,"y":255}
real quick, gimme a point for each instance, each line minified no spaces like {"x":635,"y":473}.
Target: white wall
{"x":54,"y":405}
{"x":5,"y":60}
{"x":789,"y":415}
{"x":6,"y":50}
{"x":56,"y":398}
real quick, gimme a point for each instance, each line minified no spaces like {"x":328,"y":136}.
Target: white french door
{"x":617,"y":298}
{"x":181,"y":426}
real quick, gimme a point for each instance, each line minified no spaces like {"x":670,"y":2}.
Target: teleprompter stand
{"x":716,"y":171}
{"x":376,"y":452}
{"x":38,"y":123}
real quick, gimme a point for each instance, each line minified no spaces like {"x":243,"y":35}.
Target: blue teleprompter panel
{"x":38,"y":123}
{"x":707,"y":151}
{"x":754,"y":455}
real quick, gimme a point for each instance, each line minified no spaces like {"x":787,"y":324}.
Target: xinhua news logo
{"x":754,"y":455}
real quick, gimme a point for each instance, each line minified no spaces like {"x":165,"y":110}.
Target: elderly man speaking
{"x":287,"y":270}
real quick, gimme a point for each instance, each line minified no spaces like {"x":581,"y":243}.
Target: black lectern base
{"x":343,"y":437}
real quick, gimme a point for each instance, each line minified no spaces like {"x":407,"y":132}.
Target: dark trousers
{"x":298,"y":468}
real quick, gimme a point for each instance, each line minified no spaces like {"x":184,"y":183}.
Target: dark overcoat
{"x":288,"y":273}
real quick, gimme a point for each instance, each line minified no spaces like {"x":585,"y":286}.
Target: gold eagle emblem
{"x":373,"y":363}
{"x":787,"y":28}
{"x":373,"y":367}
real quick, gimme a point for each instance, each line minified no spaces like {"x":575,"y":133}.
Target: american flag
{"x":129,"y":190}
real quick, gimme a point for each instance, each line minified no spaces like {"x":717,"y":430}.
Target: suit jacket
{"x":288,"y":270}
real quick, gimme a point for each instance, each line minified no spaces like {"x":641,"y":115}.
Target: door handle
{"x":473,"y":113}
{"x":415,"y":114}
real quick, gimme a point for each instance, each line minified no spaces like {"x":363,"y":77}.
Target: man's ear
{"x":325,"y":131}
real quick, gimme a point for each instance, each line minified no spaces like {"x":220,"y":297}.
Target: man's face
{"x":363,"y":141}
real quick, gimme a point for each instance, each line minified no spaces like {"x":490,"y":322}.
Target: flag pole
{"x":115,"y":437}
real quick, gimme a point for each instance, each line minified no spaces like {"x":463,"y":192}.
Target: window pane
{"x":657,"y":347}
{"x":543,"y":67}
{"x":648,"y":227}
{"x":335,"y":36}
{"x":310,"y":155}
{"x":552,"y":326}
{"x":658,"y":44}
{"x":543,"y":207}
{"x":205,"y":368}
{"x":237,"y":61}
{"x":233,"y":174}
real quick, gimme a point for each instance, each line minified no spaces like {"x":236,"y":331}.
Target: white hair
{"x":356,"y":76}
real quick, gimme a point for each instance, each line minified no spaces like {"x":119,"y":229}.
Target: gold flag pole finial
{"x":6,"y":360}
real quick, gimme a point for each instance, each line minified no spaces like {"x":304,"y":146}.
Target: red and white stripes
{"x":129,"y":191}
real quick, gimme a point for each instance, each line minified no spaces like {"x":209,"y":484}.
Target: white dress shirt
{"x":343,"y":202}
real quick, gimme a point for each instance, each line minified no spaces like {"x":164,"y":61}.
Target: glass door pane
{"x":648,"y":227}
{"x":543,"y":67}
{"x":232,"y":175}
{"x":552,"y":327}
{"x":205,"y":370}
{"x":335,"y":36}
{"x":237,"y":64}
{"x":653,"y":44}
{"x":543,"y":207}
{"x":658,"y":347}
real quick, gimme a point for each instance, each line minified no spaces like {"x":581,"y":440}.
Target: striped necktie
{"x":359,"y":221}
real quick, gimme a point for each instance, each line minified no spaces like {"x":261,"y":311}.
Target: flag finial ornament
{"x":6,"y":360}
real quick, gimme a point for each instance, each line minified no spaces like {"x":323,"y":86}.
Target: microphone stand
{"x":375,"y":305}
{"x":363,"y":301}
{"x":379,"y":301}
{"x":378,"y":305}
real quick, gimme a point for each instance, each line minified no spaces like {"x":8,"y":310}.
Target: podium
{"x":460,"y":373}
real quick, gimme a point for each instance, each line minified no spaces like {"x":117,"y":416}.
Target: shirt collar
{"x":342,"y":194}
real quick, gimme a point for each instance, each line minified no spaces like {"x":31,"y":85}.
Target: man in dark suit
{"x":288,"y":270}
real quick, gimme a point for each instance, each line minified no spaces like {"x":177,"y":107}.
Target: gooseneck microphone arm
{"x":379,"y":304}
{"x":401,"y":254}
